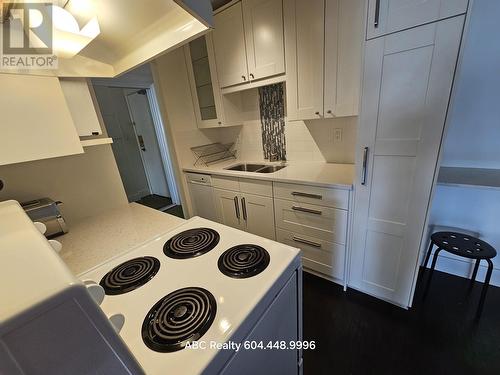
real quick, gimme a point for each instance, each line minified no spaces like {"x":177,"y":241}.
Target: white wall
{"x":87,"y":184}
{"x":473,"y":138}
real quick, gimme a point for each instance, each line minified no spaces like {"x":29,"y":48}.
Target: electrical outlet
{"x":337,"y":135}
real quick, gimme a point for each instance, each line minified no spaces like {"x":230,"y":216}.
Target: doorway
{"x":132,"y":119}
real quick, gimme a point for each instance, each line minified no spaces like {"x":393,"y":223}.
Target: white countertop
{"x":340,"y":176}
{"x":99,"y":238}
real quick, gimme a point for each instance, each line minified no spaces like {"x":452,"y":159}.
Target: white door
{"x":389,"y":16}
{"x":407,"y":83}
{"x":229,"y":44}
{"x":263,"y":20}
{"x":116,"y":116}
{"x":344,"y":38}
{"x":258,"y":214}
{"x":227,"y":206}
{"x":148,"y":142}
{"x":304,"y":52}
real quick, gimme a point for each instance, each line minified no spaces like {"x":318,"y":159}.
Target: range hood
{"x":132,"y":32}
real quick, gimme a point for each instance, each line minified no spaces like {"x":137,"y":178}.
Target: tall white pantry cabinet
{"x":407,"y":83}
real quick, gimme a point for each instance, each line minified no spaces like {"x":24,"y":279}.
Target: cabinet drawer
{"x":257,"y":187}
{"x":325,"y":223}
{"x":198,"y":178}
{"x":337,"y":198}
{"x":322,"y":256}
{"x":228,"y":183}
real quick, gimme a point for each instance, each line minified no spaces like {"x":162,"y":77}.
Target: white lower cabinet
{"x":258,"y":215}
{"x":319,"y":230}
{"x":238,"y":209}
{"x":321,"y":256}
{"x":227,"y":207}
{"x":312,"y":218}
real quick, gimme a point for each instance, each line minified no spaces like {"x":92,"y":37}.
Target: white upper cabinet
{"x":343,"y":56}
{"x":406,"y":89}
{"x":81,"y":106}
{"x":248,"y":41}
{"x":389,"y":16}
{"x":204,"y":84}
{"x":263,"y":20}
{"x":229,"y":42}
{"x":304,"y":46}
{"x":323,"y":44}
{"x":36,"y":121}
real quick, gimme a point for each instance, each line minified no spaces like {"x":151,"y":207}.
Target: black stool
{"x":465,"y":246}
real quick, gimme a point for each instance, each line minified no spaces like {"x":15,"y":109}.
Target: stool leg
{"x":474,"y":274}
{"x":434,"y":260}
{"x":426,"y":261}
{"x":485,"y":289}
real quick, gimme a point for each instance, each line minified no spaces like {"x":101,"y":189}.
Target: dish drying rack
{"x":213,"y":153}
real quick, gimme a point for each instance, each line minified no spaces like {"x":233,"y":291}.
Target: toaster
{"x":46,"y":211}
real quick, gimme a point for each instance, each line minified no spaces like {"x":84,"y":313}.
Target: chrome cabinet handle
{"x":236,"y":208}
{"x":365,"y":162}
{"x":307,"y":242}
{"x":308,"y":210}
{"x":307,"y":195}
{"x":316,"y":113}
{"x":377,"y":14}
{"x":244,"y":78}
{"x":329,"y":111}
{"x":252,"y":76}
{"x":244,"y":205}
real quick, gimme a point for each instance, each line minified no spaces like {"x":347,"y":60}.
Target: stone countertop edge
{"x":97,"y":239}
{"x":329,"y":175}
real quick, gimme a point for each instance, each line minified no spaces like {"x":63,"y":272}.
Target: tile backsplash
{"x":311,"y":140}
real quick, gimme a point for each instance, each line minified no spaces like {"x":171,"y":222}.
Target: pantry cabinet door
{"x":344,"y":38}
{"x":304,"y":53}
{"x":229,"y":44}
{"x":258,"y":213}
{"x":407,"y":84}
{"x":228,"y":209}
{"x":263,"y":20}
{"x":389,"y":16}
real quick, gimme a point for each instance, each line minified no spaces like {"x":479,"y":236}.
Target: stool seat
{"x":463,"y":245}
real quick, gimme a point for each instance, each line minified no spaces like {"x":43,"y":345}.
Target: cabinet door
{"x":227,"y":205}
{"x":258,"y":214}
{"x":343,"y":50}
{"x":205,"y":91}
{"x":389,"y":16}
{"x":407,"y":83}
{"x":229,"y":44}
{"x":36,"y":121}
{"x":263,"y":21}
{"x":81,"y":105}
{"x":304,"y":46}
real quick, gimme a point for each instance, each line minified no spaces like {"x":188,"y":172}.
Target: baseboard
{"x":463,"y":267}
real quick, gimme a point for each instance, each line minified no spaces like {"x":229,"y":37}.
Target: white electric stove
{"x":186,"y":299}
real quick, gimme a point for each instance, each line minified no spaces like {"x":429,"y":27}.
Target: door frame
{"x":160,"y":136}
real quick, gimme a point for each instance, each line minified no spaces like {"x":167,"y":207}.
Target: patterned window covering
{"x":272,"y":117}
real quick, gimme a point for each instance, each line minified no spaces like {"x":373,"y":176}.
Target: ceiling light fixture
{"x":68,"y":38}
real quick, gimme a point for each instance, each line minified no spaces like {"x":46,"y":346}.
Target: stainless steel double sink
{"x":257,"y":168}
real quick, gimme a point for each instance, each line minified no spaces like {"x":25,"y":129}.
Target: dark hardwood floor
{"x":358,"y":334}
